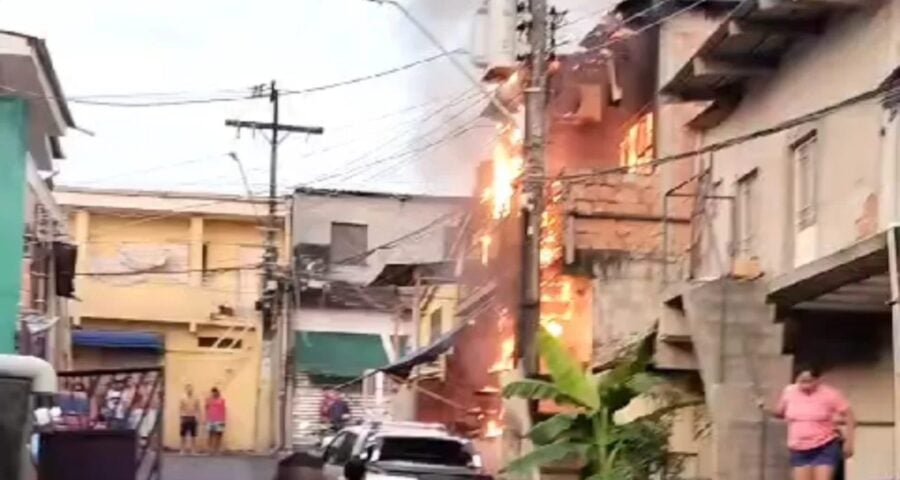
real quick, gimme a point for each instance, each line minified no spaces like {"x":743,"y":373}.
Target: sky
{"x":416,"y":131}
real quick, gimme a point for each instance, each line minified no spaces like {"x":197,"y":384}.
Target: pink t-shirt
{"x":215,"y":410}
{"x":811,"y":417}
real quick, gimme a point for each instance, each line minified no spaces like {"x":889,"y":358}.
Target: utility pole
{"x":533,"y":187}
{"x":267,"y":304}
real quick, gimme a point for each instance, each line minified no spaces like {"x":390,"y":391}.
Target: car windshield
{"x":432,"y":451}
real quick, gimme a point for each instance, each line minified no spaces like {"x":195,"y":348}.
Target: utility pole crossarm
{"x":270,"y":258}
{"x":270,"y":126}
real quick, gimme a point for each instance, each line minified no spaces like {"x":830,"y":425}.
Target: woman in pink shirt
{"x":812,"y":411}
{"x":215,"y":419}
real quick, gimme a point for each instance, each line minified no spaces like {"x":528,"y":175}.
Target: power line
{"x":374,"y":75}
{"x":153,"y":169}
{"x":882,"y":90}
{"x":85,"y":100}
{"x":416,"y":122}
{"x":343,"y":174}
{"x":257,"y":266}
{"x":652,"y":24}
{"x":169,"y":272}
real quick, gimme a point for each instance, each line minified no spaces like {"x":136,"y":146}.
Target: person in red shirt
{"x":215,"y":420}
{"x":812,"y":411}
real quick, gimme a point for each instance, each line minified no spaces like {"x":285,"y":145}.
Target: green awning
{"x":337,"y":354}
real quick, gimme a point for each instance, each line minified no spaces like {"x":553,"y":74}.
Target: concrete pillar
{"x":195,"y":262}
{"x":13,"y":151}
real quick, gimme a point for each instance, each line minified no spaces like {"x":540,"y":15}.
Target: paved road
{"x":177,"y":467}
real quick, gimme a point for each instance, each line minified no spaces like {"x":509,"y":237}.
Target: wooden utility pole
{"x":533,"y":187}
{"x":270,"y":257}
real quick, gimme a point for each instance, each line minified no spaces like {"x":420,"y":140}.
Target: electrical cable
{"x":151,"y":169}
{"x":875,"y":93}
{"x":85,"y":100}
{"x":652,"y":24}
{"x":353,"y":164}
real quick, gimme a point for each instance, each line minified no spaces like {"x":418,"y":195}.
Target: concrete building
{"x":33,"y":117}
{"x":789,"y":255}
{"x":342,"y":240}
{"x":182,"y":271}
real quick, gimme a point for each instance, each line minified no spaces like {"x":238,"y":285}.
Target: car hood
{"x":425,"y":470}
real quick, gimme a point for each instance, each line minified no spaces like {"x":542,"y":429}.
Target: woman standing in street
{"x":215,"y":420}
{"x":813,"y":411}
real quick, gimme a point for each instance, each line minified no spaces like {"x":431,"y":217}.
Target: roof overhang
{"x":428,"y":354}
{"x":27,"y":72}
{"x":748,"y":44}
{"x":854,"y":279}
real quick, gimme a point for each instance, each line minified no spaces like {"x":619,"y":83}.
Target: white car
{"x":392,"y":451}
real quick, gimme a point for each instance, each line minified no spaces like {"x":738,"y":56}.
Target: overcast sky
{"x":394,"y":133}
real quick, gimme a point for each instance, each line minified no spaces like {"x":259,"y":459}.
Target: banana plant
{"x":633,"y":450}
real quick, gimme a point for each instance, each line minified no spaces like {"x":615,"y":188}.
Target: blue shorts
{"x":829,"y":455}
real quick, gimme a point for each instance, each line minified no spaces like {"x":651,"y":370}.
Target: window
{"x":636,"y":147}
{"x":428,"y":451}
{"x":349,"y":243}
{"x":804,"y":158}
{"x":746,"y":222}
{"x":436,"y":322}
{"x":220,"y":342}
{"x":204,"y":260}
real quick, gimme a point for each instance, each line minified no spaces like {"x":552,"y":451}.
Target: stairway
{"x":740,"y":360}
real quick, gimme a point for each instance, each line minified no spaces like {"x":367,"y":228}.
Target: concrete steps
{"x":739,"y":362}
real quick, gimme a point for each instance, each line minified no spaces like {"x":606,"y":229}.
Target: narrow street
{"x":204,"y":467}
{"x":450,"y":239}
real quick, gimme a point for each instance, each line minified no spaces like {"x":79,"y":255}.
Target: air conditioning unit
{"x":495,"y":39}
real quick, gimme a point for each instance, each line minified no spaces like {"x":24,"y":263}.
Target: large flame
{"x":507,"y":166}
{"x":506,"y":355}
{"x":557,"y":308}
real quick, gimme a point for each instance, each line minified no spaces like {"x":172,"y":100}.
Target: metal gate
{"x":119,"y":400}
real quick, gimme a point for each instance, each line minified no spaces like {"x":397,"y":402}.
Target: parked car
{"x":387,"y":451}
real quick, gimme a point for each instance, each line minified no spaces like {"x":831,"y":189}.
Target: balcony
{"x":748,"y":44}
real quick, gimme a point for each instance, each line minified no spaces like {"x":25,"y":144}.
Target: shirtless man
{"x":189,"y":409}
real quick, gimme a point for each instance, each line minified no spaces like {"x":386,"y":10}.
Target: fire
{"x":486,"y":241}
{"x":554,"y":328}
{"x":506,"y":358}
{"x":636,"y":148}
{"x":507,"y":166}
{"x":557,"y":306}
{"x":506,"y":361}
{"x":493,"y":429}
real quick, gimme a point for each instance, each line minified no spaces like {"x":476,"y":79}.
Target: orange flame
{"x":486,"y":241}
{"x":507,"y":166}
{"x":506,"y":361}
{"x":493,"y":429}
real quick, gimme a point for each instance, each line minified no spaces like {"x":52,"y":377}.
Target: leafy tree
{"x":633,"y":450}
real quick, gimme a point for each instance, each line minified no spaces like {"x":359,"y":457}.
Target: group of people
{"x":117,"y":403}
{"x":213,"y":413}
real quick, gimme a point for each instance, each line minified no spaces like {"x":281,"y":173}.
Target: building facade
{"x":789,"y":261}
{"x":345,"y":325}
{"x":172,"y":280}
{"x":33,"y":117}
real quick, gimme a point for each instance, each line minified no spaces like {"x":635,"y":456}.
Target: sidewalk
{"x":204,"y":467}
